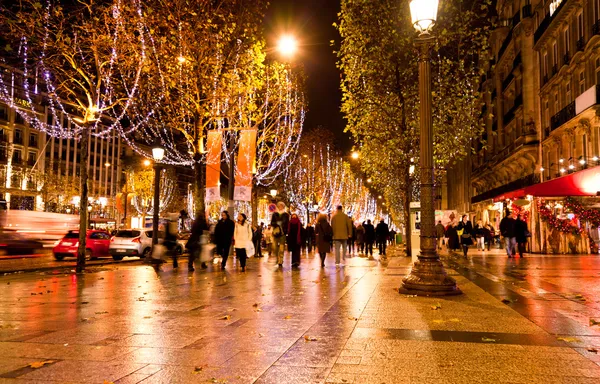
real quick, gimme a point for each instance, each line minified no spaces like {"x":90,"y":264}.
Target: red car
{"x":96,"y":245}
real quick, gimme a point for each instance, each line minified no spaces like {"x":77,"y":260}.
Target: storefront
{"x":561,"y":213}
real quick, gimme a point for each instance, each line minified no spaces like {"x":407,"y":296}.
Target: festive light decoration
{"x":564,"y":225}
{"x":590,"y":215}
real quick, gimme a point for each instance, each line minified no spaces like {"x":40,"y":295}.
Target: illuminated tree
{"x":141,"y":185}
{"x":380,"y":87}
{"x":82,"y":60}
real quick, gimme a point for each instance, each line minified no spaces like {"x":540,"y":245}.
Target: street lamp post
{"x":428,"y":276}
{"x":158,"y":152}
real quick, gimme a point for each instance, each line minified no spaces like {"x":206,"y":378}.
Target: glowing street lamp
{"x":273,"y":192}
{"x":158,"y":153}
{"x":287,"y":45}
{"x":355,"y":155}
{"x":427,"y":276}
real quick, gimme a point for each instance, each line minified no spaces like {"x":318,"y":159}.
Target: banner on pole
{"x":213,"y":166}
{"x":244,"y":165}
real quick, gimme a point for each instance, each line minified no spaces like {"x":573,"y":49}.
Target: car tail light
{"x":136,"y":240}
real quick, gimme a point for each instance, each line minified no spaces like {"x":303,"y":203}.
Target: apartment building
{"x":542,"y":137}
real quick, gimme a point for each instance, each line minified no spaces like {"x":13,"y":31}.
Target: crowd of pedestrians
{"x":513,"y":231}
{"x":285,"y":232}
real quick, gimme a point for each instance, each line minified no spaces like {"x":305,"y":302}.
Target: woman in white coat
{"x":242,"y":238}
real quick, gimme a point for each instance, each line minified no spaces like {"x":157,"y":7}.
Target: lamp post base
{"x":428,"y":278}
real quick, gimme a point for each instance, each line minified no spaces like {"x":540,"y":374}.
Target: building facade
{"x":541,"y":100}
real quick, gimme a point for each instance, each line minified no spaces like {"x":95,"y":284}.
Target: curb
{"x":45,"y":269}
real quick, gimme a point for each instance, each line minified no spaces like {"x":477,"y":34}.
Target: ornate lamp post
{"x":427,"y":277}
{"x":158,"y":152}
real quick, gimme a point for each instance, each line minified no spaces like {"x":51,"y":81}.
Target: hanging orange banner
{"x":213,"y":166}
{"x":244,"y":165}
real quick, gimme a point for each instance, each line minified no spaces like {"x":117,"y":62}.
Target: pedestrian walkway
{"x":125,"y":324}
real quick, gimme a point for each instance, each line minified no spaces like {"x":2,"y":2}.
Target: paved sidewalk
{"x":126,"y":324}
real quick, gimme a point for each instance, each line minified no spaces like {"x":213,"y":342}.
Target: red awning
{"x":582,"y":183}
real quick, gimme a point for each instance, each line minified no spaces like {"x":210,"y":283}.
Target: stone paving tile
{"x":68,"y":352}
{"x":184,"y":357}
{"x":299,"y":375}
{"x":184,"y":375}
{"x":84,"y":371}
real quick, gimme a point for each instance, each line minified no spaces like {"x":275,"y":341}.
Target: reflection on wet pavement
{"x":126,"y":324}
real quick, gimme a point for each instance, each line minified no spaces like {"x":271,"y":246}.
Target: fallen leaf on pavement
{"x":439,"y":321}
{"x":40,"y":364}
{"x":261,"y":335}
{"x":580,"y":297}
{"x":592,"y":350}
{"x":353,"y":318}
{"x":197,"y":370}
{"x":147,"y":317}
{"x":455,"y":320}
{"x":141,"y":299}
{"x":108,"y":382}
{"x":488,"y":340}
{"x":255,"y":305}
{"x":257,"y":310}
{"x":594,"y":322}
{"x":569,"y":339}
{"x":506,"y":301}
{"x":310,"y":338}
{"x":436,"y":307}
{"x":101,"y":313}
{"x":226,"y":317}
{"x":287,"y":317}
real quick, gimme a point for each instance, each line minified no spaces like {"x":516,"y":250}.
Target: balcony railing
{"x":565,"y":114}
{"x":506,"y":82}
{"x":554,"y":70}
{"x":33,"y":143}
{"x":510,"y":114}
{"x":547,"y":21}
{"x":523,"y":182}
{"x":17,"y":160}
{"x":566,"y":59}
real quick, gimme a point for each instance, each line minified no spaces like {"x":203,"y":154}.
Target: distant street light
{"x":158,"y":153}
{"x":427,"y":277}
{"x":146,"y":163}
{"x":273,"y":192}
{"x":369,"y":180}
{"x":355,"y":155}
{"x":287,"y":45}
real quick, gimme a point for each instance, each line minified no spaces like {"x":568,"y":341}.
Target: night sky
{"x":311,"y":22}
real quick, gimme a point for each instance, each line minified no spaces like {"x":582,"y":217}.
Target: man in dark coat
{"x":507,"y":230}
{"x":383,"y":232}
{"x":369,"y":237}
{"x":224,"y":236}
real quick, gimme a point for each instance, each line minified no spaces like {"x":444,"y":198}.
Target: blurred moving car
{"x":96,"y":245}
{"x":137,"y":242}
{"x":14,"y":243}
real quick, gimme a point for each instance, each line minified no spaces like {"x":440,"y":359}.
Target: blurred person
{"x":310,"y":237}
{"x":268,"y":234}
{"x":360,"y":238}
{"x":352,"y":238}
{"x":466,"y":237}
{"x":383,"y":232}
{"x":257,"y":235}
{"x":507,"y":230}
{"x":480,"y":235}
{"x":194,"y":244}
{"x":224,"y":236}
{"x":324,"y":237}
{"x":369,"y":237}
{"x":439,"y":234}
{"x":170,"y":242}
{"x":294,"y":239}
{"x":521,"y":234}
{"x":242,"y":239}
{"x":342,"y":231}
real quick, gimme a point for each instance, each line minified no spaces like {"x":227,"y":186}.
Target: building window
{"x":546,"y":114}
{"x":33,"y":141}
{"x":19,"y":119}
{"x":556,"y":105}
{"x":4,"y":113}
{"x":31,"y":158}
{"x":581,"y":82}
{"x":596,"y":10}
{"x":18,"y":137}
{"x":545,"y":65}
{"x":555,"y":59}
{"x":580,"y":33}
{"x":568,"y":93}
{"x":567,"y":43}
{"x":17,"y":158}
{"x":598,"y":70}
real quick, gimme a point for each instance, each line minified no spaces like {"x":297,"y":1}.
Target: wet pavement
{"x":45,"y":261}
{"x":527,"y":320}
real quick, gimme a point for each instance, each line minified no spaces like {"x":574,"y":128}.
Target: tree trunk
{"x":407,"y":228}
{"x":255,"y":204}
{"x":199,"y":207}
{"x":83,"y":202}
{"x":230,"y":187}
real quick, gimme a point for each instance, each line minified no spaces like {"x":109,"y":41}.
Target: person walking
{"x":269,"y":238}
{"x":342,"y":231}
{"x":452,"y":235}
{"x":466,"y":239}
{"x":507,"y":230}
{"x":439,"y":234}
{"x":170,"y":241}
{"x":369,"y":237}
{"x":521,"y":235}
{"x":480,"y":235}
{"x":224,"y":237}
{"x":310,"y":237}
{"x":360,"y":238}
{"x":280,"y":223}
{"x":242,"y":238}
{"x":352,"y":238}
{"x":294,"y":239}
{"x":488,"y":235}
{"x":392,"y":237}
{"x":382,"y":231}
{"x":257,"y":240}
{"x":324,"y":236}
{"x":193,"y":245}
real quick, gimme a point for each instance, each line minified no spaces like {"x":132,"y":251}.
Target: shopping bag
{"x":206,"y":255}
{"x":250,"y":249}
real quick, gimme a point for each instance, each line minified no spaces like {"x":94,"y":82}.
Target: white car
{"x":137,"y":242}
